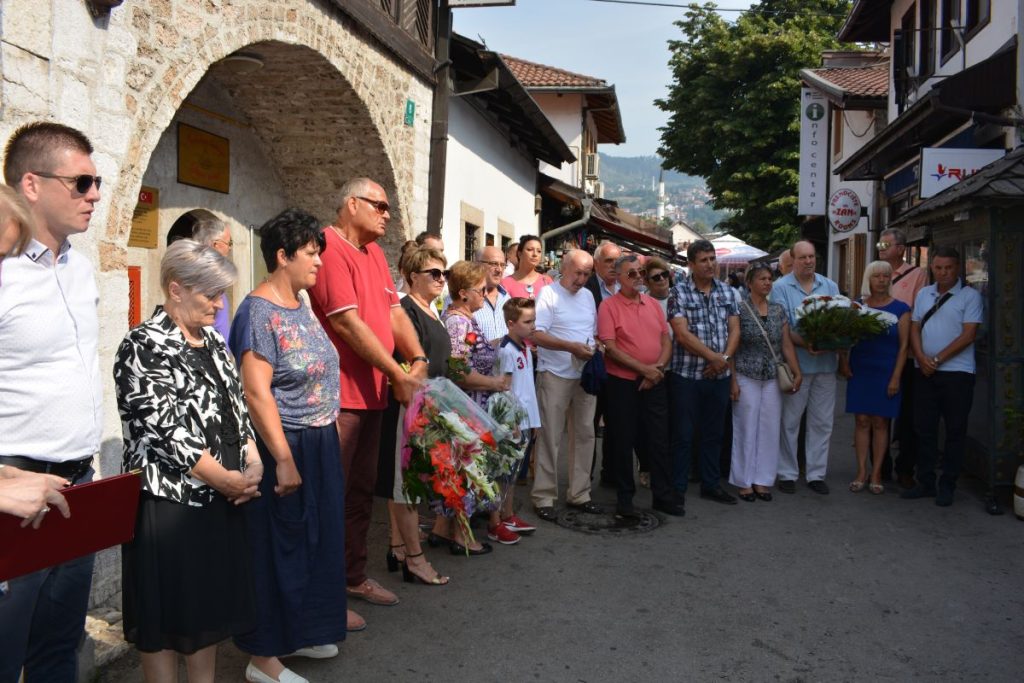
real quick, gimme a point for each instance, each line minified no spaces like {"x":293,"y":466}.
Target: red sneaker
{"x":502,"y":534}
{"x":520,"y":526}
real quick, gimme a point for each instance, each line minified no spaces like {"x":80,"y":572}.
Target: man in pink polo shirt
{"x":907,"y":281}
{"x":633,"y":329}
{"x":355,"y":300}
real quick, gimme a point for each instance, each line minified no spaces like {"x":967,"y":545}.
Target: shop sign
{"x":813,"y":152}
{"x":844,"y":210}
{"x":943,"y":167}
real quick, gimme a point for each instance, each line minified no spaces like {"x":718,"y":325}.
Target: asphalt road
{"x":844,"y":587}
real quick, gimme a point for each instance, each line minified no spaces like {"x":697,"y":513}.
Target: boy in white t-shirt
{"x":515,"y":359}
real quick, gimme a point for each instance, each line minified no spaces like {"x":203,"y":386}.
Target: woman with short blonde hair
{"x":15,"y":222}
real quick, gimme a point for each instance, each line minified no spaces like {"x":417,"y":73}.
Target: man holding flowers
{"x":817,"y":393}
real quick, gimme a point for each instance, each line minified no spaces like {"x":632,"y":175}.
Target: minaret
{"x":661,"y":194}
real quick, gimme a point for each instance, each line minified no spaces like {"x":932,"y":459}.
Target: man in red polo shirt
{"x":633,"y":329}
{"x":355,"y":300}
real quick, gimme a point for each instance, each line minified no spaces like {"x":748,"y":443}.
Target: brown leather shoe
{"x":354,"y":622}
{"x":373,"y":593}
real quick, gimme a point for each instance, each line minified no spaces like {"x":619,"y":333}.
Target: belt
{"x":71,"y":469}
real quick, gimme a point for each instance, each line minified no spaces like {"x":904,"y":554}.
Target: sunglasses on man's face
{"x":658,"y":277}
{"x":436,"y":273}
{"x":635,"y":274}
{"x":82,"y":182}
{"x":381,"y":206}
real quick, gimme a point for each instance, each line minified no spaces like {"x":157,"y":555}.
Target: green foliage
{"x":734,"y":108}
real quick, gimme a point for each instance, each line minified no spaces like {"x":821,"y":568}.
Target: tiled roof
{"x":533,"y":75}
{"x":862,"y":81}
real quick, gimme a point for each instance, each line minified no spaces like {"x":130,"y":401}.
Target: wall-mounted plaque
{"x":145,"y":225}
{"x":204,"y":159}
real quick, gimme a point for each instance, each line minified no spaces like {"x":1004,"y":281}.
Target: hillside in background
{"x":632,"y":182}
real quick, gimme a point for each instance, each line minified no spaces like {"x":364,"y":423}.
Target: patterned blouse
{"x":753,"y":358}
{"x":468,"y":341}
{"x":169,"y":410}
{"x":306,"y":375}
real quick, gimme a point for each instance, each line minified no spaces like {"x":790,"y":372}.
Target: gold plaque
{"x":204,"y":159}
{"x":145,"y":225}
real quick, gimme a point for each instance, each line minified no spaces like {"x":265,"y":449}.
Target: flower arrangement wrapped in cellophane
{"x":833,"y":322}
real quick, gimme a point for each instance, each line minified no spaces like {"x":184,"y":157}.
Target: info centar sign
{"x":844,"y":210}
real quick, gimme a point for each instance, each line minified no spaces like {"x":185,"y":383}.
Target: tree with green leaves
{"x":734,"y":105}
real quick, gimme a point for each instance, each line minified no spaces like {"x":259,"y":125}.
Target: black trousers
{"x":628,"y":413}
{"x":904,"y":431}
{"x":946,"y":396}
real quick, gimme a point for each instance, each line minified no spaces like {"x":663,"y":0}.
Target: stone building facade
{"x":315,"y":100}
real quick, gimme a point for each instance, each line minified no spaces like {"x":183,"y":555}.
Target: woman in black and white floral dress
{"x":186,"y":578}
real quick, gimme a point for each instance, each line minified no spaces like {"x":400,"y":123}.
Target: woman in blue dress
{"x":296,"y":527}
{"x":873,"y":368}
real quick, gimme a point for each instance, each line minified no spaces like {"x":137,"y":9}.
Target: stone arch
{"x":352,"y":83}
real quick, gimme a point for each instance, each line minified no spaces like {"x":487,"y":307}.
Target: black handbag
{"x":594,"y":374}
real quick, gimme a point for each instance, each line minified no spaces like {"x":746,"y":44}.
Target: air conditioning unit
{"x":591,"y":162}
{"x":599,"y":190}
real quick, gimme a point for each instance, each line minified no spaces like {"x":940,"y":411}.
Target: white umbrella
{"x":730,"y":250}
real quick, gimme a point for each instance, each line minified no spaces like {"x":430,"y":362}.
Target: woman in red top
{"x":526,"y":282}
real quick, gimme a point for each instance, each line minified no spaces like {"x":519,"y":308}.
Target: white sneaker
{"x":316,"y":651}
{"x":254,"y":675}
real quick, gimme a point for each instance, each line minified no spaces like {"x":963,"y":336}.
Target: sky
{"x":626,"y":45}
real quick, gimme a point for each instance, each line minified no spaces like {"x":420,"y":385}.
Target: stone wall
{"x":329,"y":105}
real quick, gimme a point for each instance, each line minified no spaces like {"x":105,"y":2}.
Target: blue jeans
{"x":42,"y":617}
{"x":695,"y":402}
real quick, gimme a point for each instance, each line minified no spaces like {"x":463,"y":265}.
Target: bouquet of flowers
{"x":508,"y":412}
{"x":449,"y":451}
{"x":833,"y":322}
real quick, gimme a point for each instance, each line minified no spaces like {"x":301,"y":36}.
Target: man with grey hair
{"x":51,"y":395}
{"x":603,"y":284}
{"x":355,"y":300}
{"x":491,"y":317}
{"x":566,"y":326}
{"x":907,"y":281}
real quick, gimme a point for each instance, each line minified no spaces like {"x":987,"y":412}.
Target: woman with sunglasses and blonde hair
{"x":423,"y":271}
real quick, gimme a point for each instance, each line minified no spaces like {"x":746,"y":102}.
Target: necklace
{"x":274,"y":290}
{"x":425,"y":305}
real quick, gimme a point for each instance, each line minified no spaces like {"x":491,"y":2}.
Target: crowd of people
{"x":260,"y":444}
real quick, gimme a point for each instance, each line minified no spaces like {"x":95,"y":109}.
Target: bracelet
{"x":424,"y":359}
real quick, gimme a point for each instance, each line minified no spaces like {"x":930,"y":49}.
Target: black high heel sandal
{"x":409,"y":577}
{"x":392,"y":559}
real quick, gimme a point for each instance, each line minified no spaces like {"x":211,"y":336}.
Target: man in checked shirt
{"x":704,"y":315}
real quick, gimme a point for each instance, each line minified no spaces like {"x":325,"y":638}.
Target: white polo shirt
{"x":567,"y":316}
{"x":51,"y":396}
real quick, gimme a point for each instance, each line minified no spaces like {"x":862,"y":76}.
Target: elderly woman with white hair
{"x":874,"y":367}
{"x":186,"y":576}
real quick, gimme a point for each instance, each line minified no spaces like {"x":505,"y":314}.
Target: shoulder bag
{"x":783,"y":374}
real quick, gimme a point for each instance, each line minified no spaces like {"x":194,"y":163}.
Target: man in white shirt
{"x":566,"y":327}
{"x":50,"y":390}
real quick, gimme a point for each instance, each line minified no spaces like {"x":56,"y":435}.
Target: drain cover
{"x":607,"y":523}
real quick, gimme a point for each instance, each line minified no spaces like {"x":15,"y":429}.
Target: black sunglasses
{"x":633,"y":274}
{"x":658,"y":277}
{"x":82,"y":182}
{"x":436,"y":273}
{"x":382,"y":207}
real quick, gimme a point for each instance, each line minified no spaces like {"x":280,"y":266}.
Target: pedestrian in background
{"x":873,"y":369}
{"x":757,"y":399}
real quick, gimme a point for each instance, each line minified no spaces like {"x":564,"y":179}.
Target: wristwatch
{"x":935,"y":359}
{"x":725,"y":357}
{"x":424,"y":359}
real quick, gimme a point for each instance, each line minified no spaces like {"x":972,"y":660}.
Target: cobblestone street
{"x":844,"y":587}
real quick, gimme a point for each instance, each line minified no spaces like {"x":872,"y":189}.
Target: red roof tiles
{"x":865,"y":81}
{"x":533,"y":75}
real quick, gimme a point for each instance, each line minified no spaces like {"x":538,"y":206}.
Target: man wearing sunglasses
{"x":356,"y":301}
{"x":51,"y":398}
{"x":907,"y":281}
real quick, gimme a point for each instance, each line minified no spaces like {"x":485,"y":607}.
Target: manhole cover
{"x":607,"y":523}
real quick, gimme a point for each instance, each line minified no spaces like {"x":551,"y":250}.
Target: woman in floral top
{"x":296,"y":528}
{"x":467,"y":285}
{"x":757,"y":416}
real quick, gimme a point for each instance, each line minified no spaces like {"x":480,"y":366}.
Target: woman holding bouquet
{"x":757,"y":407}
{"x":874,"y":367}
{"x":423,"y":271}
{"x":467,"y":285}
{"x":296,"y":527}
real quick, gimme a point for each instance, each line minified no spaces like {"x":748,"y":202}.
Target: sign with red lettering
{"x":943,"y":167}
{"x":844,"y":210}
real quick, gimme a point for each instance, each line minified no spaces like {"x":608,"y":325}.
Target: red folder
{"x":102,"y":515}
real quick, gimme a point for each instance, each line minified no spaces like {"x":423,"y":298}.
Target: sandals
{"x":409,"y":576}
{"x":877,"y":489}
{"x":856,"y":486}
{"x":392,"y":558}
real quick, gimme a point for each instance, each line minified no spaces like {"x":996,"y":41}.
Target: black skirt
{"x":186,"y":576}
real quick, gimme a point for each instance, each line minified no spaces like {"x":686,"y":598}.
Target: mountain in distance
{"x":632,"y":182}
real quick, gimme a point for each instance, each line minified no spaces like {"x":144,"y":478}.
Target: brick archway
{"x":327,"y":92}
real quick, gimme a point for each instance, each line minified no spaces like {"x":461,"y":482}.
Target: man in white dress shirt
{"x":50,"y":390}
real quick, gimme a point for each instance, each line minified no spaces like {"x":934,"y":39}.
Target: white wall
{"x":565,"y":112}
{"x":484,"y":172}
{"x":858,"y":129}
